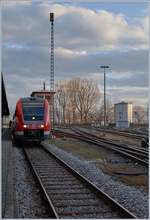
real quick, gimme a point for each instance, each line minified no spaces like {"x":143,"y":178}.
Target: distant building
{"x":43,"y":94}
{"x":123,"y":114}
{"x":49,"y":95}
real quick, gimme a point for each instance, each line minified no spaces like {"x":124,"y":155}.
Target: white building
{"x":123,"y":114}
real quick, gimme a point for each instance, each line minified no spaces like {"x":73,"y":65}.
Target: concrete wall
{"x":123,"y":114}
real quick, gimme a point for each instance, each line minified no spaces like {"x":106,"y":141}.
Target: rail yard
{"x":75,"y":113}
{"x":72,"y":176}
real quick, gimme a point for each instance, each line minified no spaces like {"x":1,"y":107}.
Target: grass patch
{"x":140,"y":180}
{"x":79,"y":148}
{"x":101,"y":157}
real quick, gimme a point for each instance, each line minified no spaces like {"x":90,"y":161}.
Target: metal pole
{"x":104,"y":67}
{"x":104,"y":99}
{"x":52,"y":53}
{"x":52,"y":70}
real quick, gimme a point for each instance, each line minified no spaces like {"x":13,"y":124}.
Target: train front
{"x":32,"y":119}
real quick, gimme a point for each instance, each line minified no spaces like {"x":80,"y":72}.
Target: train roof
{"x":32,"y":100}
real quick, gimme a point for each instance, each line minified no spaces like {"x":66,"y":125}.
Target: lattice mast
{"x":52,"y":69}
{"x":52,"y":53}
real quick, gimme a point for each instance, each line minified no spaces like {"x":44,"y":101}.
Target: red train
{"x":31,"y":120}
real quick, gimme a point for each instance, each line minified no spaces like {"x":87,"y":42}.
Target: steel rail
{"x":52,"y":210}
{"x":126,"y":150}
{"x":105,"y":145}
{"x":123,"y":133}
{"x":137,"y":150}
{"x":111,"y":141}
{"x":94,"y":190}
{"x":140,"y":149}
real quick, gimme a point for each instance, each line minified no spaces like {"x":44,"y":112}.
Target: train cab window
{"x":33,"y":113}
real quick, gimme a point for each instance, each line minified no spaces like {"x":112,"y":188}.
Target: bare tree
{"x":84,"y":97}
{"x":109,"y":113}
{"x":140,"y":115}
{"x":78,"y":99}
{"x":62,"y":99}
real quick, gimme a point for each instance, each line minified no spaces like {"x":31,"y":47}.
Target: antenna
{"x":43,"y":85}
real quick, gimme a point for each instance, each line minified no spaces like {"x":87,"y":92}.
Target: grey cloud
{"x":135,"y":95}
{"x":36,"y":62}
{"x":26,"y":43}
{"x":74,"y":28}
{"x":33,"y":62}
{"x":25,"y":25}
{"x":18,"y":85}
{"x":135,"y":80}
{"x":119,"y":61}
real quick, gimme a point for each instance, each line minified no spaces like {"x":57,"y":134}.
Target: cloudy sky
{"x":87,"y":34}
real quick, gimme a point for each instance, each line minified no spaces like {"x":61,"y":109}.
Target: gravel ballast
{"x":132,"y":198}
{"x":29,"y":201}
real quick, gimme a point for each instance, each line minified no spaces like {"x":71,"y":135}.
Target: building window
{"x":120,"y":115}
{"x":40,"y":96}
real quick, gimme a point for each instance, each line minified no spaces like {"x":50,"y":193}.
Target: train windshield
{"x":33,"y":113}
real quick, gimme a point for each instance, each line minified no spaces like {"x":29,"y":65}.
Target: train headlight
{"x":42,"y":126}
{"x":25,"y":126}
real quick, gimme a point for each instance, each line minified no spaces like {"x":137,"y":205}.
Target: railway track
{"x":69,"y":194}
{"x":136,"y":149}
{"x":124,"y":133}
{"x":138,"y":154}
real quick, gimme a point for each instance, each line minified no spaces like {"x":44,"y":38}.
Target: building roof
{"x":43,"y":92}
{"x":120,"y":103}
{"x":5,"y":108}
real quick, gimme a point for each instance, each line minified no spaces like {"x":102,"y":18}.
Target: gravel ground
{"x":134,"y":199}
{"x":8,"y":196}
{"x":29,"y":202}
{"x":106,"y":160}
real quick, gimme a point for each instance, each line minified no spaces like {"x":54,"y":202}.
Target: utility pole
{"x":104,"y":67}
{"x":52,"y":70}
